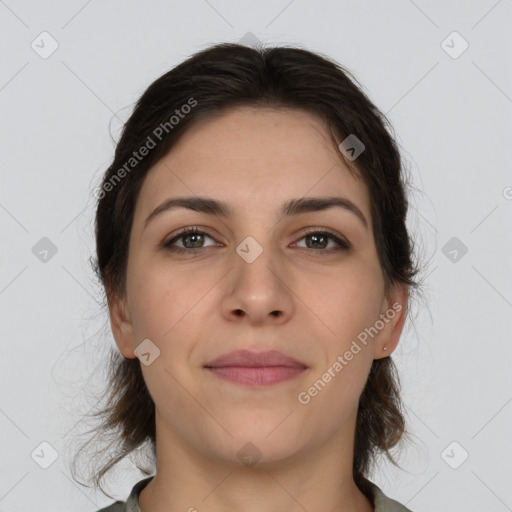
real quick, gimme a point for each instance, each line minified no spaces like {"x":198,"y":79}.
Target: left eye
{"x":320,"y":240}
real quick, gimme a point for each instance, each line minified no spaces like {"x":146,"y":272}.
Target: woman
{"x":252,"y":243}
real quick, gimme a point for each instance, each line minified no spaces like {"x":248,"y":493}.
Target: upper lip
{"x":254,"y":359}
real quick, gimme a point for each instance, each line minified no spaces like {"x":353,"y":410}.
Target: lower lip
{"x":259,"y":376}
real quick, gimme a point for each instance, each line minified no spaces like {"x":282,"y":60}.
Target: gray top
{"x":381,"y":502}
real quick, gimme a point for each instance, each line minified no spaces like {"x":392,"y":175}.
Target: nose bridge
{"x":258,"y":279}
{"x":256,"y":261}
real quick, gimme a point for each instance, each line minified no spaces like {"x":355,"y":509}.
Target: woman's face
{"x":255,"y":279}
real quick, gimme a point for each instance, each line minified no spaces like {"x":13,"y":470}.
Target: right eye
{"x":191,"y":238}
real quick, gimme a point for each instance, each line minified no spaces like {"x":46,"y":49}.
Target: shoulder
{"x":118,"y":506}
{"x":382,"y":503}
{"x":132,"y":503}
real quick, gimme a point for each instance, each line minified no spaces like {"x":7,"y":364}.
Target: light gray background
{"x":453,"y":121}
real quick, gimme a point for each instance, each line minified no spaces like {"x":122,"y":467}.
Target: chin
{"x":267,"y":441}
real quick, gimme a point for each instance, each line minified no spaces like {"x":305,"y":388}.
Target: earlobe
{"x":392,"y":317}
{"x":121,"y":325}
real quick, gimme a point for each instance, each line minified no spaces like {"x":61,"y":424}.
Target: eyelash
{"x":343,"y":245}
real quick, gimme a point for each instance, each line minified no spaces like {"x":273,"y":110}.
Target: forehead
{"x":253,"y":158}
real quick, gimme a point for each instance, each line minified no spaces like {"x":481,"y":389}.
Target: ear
{"x":393,"y":313}
{"x":121,"y":324}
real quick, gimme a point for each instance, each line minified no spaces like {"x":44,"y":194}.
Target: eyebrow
{"x":293,"y":207}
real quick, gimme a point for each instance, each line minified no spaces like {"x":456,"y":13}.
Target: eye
{"x":318,"y":239}
{"x":317,"y":242}
{"x":192,"y":240}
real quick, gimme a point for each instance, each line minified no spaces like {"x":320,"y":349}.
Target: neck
{"x":188,"y":480}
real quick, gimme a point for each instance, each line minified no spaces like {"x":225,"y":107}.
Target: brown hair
{"x":211,"y":81}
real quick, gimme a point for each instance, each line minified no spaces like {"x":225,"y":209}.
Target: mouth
{"x":255,"y":369}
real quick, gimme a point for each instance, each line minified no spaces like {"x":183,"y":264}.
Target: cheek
{"x":165,"y":301}
{"x":330,"y":398}
{"x":346,"y":302}
{"x":163,"y":310}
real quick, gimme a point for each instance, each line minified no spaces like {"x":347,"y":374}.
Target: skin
{"x":199,"y":305}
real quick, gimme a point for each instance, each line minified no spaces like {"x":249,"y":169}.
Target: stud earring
{"x":385,"y":348}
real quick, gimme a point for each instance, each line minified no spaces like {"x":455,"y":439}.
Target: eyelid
{"x":321,"y":229}
{"x":186,"y":231}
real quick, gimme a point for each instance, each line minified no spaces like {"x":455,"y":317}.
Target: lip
{"x":250,"y":359}
{"x":255,"y":368}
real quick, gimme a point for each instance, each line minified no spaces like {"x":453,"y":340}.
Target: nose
{"x":258,"y":292}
